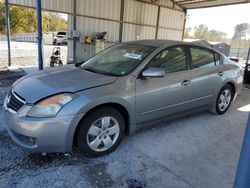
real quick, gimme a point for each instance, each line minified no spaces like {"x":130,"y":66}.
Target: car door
{"x":206,"y":76}
{"x":164,"y":96}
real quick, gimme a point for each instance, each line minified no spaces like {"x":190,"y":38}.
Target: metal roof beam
{"x":214,"y":4}
{"x":193,"y":2}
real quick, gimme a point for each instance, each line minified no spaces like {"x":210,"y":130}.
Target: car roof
{"x":155,"y":43}
{"x":160,"y":42}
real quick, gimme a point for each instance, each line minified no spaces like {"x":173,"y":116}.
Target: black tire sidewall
{"x":218,"y":97}
{"x":88,"y":121}
{"x":52,"y":64}
{"x":60,"y":63}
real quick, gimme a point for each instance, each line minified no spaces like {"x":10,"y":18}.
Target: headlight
{"x":49,"y":107}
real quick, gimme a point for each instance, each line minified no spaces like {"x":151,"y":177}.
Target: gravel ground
{"x":193,"y":152}
{"x":25,"y":54}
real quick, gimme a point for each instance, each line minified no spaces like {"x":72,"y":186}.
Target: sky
{"x":222,"y":18}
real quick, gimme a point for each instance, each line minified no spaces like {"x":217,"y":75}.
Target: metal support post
{"x":242,"y":178}
{"x":8,"y":30}
{"x":39,"y":34}
{"x":74,"y":33}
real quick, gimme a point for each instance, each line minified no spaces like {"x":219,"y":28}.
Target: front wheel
{"x":224,"y":99}
{"x":100,"y":132}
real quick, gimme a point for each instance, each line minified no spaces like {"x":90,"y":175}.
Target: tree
{"x":23,"y":20}
{"x":241,"y":30}
{"x":214,"y":35}
{"x":187,"y":33}
{"x":201,"y":32}
{"x":53,"y":22}
{"x":2,"y":17}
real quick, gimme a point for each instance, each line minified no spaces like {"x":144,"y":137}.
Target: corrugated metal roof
{"x":66,"y":5}
{"x":191,"y":4}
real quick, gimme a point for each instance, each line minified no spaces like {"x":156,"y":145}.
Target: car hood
{"x":39,"y":85}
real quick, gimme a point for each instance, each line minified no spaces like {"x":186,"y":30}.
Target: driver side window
{"x":172,"y":59}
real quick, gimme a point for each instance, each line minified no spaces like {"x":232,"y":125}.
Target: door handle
{"x":185,"y":82}
{"x":220,"y":73}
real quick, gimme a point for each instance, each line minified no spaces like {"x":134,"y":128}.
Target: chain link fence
{"x":26,"y":37}
{"x":239,"y":52}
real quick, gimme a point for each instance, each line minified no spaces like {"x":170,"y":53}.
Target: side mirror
{"x":153,"y":73}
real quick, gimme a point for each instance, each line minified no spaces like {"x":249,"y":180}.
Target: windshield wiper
{"x":97,"y":71}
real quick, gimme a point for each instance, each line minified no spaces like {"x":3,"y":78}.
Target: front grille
{"x":15,"y":101}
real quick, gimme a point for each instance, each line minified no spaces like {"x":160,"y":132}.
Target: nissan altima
{"x":92,"y":105}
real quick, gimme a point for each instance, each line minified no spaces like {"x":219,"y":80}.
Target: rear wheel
{"x":52,"y":63}
{"x":224,"y":99}
{"x":100,"y":132}
{"x":60,"y":63}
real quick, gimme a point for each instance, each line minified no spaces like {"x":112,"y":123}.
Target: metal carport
{"x":123,"y":20}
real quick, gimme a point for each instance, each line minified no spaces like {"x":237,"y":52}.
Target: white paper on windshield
{"x":132,"y":56}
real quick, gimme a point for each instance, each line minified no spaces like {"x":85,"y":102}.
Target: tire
{"x":224,"y":99}
{"x":60,"y":63}
{"x":95,"y":135}
{"x":52,"y":63}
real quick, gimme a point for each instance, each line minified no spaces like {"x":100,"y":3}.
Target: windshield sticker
{"x":133,"y":56}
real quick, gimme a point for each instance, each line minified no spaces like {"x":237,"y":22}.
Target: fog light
{"x":25,"y":139}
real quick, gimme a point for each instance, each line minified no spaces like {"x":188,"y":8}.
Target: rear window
{"x":202,"y":58}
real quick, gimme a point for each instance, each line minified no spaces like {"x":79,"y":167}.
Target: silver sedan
{"x":121,"y":90}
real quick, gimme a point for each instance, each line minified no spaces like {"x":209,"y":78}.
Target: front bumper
{"x":41,"y":134}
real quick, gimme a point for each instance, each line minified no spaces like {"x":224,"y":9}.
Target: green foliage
{"x":23,"y":20}
{"x":214,"y":35}
{"x":187,"y":33}
{"x":53,"y":22}
{"x":2,"y":16}
{"x":241,"y":30}
{"x":202,"y":32}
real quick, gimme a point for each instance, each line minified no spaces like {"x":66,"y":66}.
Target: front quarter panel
{"x":120,"y":92}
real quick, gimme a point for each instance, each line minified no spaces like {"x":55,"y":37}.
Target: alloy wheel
{"x":103,"y":133}
{"x":224,"y":100}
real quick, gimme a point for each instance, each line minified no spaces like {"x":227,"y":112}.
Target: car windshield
{"x":119,"y":60}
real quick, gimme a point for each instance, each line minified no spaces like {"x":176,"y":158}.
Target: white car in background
{"x":60,"y":38}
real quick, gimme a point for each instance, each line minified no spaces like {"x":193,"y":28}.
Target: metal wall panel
{"x":100,"y":8}
{"x":136,"y":32}
{"x":169,"y":34}
{"x":57,"y":5}
{"x":31,"y":3}
{"x":171,"y":19}
{"x":90,"y":25}
{"x":140,"y":13}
